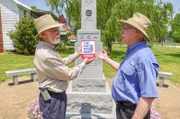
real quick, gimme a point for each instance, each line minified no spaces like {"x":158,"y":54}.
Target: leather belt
{"x":52,"y":92}
{"x":125,"y":103}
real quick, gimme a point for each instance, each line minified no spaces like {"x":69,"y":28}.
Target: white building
{"x":11,"y":11}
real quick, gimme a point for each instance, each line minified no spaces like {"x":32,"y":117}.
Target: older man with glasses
{"x":52,"y":70}
{"x":134,"y":86}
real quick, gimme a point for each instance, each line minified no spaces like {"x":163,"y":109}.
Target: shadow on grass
{"x":21,"y":82}
{"x":174,"y":55}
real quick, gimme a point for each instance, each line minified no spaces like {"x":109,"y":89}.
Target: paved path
{"x":14,"y":99}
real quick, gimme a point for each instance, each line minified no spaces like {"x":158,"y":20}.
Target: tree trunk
{"x":109,"y":48}
{"x":162,"y":42}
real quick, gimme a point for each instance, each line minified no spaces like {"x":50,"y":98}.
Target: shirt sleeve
{"x":68,"y":60}
{"x":56,"y":68}
{"x":147,"y":73}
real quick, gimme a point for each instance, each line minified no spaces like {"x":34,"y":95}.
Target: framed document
{"x":88,"y":49}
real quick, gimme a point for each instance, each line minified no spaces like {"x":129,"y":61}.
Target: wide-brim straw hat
{"x":45,"y":22}
{"x":140,"y":22}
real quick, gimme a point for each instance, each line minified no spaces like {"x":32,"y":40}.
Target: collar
{"x":132,"y":47}
{"x":46,"y":44}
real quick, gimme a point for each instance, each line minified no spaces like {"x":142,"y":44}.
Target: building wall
{"x":23,"y":12}
{"x":1,"y":36}
{"x":11,"y":13}
{"x":9,"y":17}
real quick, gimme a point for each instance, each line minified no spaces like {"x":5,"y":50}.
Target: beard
{"x":56,"y":40}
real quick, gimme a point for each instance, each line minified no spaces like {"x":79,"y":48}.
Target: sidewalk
{"x":14,"y":99}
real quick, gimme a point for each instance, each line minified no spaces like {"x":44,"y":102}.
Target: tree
{"x":57,"y":6}
{"x":73,"y":13}
{"x":24,"y":36}
{"x":158,"y":12}
{"x":175,"y":28}
{"x":34,"y":7}
{"x":109,"y":11}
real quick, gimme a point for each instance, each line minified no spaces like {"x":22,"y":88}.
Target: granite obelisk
{"x":89,"y":95}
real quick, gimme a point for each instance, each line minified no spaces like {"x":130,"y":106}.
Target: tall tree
{"x":109,"y":11}
{"x":175,"y":28}
{"x":73,"y":13}
{"x":57,"y":6}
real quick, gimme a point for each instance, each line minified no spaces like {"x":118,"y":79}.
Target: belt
{"x":51,"y":92}
{"x":125,"y":103}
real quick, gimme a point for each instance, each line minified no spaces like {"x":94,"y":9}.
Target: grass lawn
{"x":168,"y":58}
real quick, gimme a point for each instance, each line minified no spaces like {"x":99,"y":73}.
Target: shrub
{"x":33,"y":110}
{"x":24,"y":36}
{"x":154,"y":113}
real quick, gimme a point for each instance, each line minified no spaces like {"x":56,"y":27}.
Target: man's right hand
{"x":102,"y":55}
{"x":87,"y":61}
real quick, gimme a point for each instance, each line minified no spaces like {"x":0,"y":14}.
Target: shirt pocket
{"x":128,"y":68}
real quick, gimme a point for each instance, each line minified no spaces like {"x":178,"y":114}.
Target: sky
{"x":41,"y":4}
{"x":175,"y":3}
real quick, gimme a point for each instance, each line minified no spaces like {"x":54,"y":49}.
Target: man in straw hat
{"x":134,"y":86}
{"x":53,"y":73}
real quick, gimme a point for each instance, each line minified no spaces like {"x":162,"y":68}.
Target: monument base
{"x":89,"y":116}
{"x":90,"y":105}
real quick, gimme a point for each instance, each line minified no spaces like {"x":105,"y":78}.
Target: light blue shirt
{"x":136,"y":76}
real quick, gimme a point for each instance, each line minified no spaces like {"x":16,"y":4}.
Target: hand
{"x":87,"y":61}
{"x":102,"y":55}
{"x":79,"y":51}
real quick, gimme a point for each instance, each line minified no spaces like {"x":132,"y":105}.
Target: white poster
{"x":88,"y":49}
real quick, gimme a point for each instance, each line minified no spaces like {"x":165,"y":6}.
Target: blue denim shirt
{"x":136,"y":76}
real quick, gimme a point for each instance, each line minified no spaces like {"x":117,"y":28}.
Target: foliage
{"x":34,"y":7}
{"x":33,"y":110}
{"x":57,"y":6}
{"x":175,"y":28}
{"x":73,"y":13}
{"x":154,"y":113}
{"x":61,"y":46}
{"x":110,"y":11}
{"x":24,"y":36}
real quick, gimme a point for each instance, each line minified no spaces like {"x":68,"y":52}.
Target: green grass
{"x":11,"y":61}
{"x":168,"y":58}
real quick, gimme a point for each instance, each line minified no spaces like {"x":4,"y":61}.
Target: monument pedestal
{"x":90,"y":101}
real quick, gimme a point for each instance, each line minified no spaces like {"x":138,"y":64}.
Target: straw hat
{"x":140,"y":22}
{"x":45,"y":22}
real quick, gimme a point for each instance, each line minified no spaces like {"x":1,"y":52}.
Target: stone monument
{"x":89,"y":95}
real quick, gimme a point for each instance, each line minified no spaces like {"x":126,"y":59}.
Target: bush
{"x":24,"y":36}
{"x":154,"y":113}
{"x":33,"y":110}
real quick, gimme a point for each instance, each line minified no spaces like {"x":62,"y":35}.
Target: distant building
{"x":11,"y":11}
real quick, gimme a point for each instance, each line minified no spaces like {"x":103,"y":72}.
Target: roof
{"x":22,"y":5}
{"x":43,"y":12}
{"x":35,"y":11}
